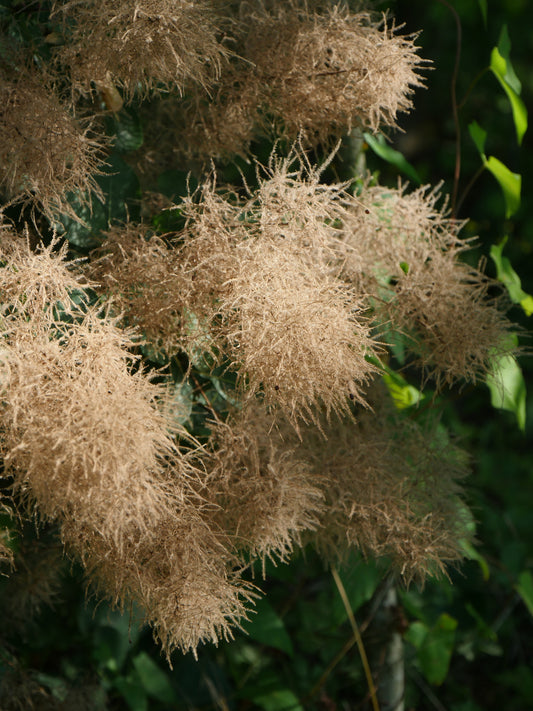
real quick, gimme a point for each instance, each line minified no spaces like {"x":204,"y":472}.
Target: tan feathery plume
{"x":306,"y":72}
{"x":140,"y":273}
{"x":45,"y":153}
{"x":327,"y":72}
{"x":405,"y":250}
{"x":263,"y":496}
{"x":140,"y":45}
{"x":260,"y":276}
{"x":89,"y":446}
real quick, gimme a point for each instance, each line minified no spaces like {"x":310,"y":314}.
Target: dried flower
{"x":46,"y":154}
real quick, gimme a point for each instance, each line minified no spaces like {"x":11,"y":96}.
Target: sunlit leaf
{"x":500,"y":64}
{"x":507,"y":275}
{"x":510,"y":183}
{"x":507,"y":387}
{"x":403,"y":394}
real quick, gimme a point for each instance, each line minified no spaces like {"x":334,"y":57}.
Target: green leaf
{"x":472,"y":553}
{"x":267,"y":627}
{"x":176,"y":183}
{"x":180,"y":404}
{"x":507,"y":387}
{"x":483,"y":8}
{"x":131,"y":689}
{"x":153,"y":679}
{"x":360,"y":580}
{"x":510,"y":183}
{"x":524,"y":587}
{"x":120,"y":186}
{"x":403,"y":394}
{"x":127,"y":130}
{"x":479,"y":136}
{"x":507,"y":275}
{"x":435,"y":651}
{"x":504,"y":49}
{"x":279,"y":700}
{"x":395,"y":158}
{"x":501,"y":67}
{"x":416,"y":633}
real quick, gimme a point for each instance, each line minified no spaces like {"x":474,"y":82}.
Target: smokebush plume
{"x":266,"y":291}
{"x":89,"y":447}
{"x":404,"y":251}
{"x":304,"y":71}
{"x":139,"y":272}
{"x":46,"y":154}
{"x":263,"y":494}
{"x":140,"y":44}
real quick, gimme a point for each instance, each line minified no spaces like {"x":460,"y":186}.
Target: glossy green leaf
{"x":180,"y":403}
{"x":507,"y":275}
{"x":383,"y":150}
{"x":498,"y":66}
{"x":524,"y":587}
{"x":504,"y":49}
{"x":479,"y":136}
{"x":360,"y":580}
{"x":176,"y":183}
{"x":435,"y":651}
{"x":510,"y":183}
{"x":502,"y":68}
{"x":507,"y":387}
{"x":267,"y":627}
{"x":120,"y":186}
{"x":153,"y":679}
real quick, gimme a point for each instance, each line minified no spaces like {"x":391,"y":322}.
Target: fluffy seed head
{"x":404,"y":251}
{"x":264,"y":286}
{"x":327,"y":72}
{"x":140,"y":44}
{"x":263,"y":496}
{"x":139,"y":272}
{"x":45,"y":153}
{"x":391,"y":490}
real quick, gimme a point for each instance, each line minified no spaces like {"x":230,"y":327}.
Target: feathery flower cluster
{"x":306,"y":72}
{"x":403,"y":250}
{"x":293,"y":286}
{"x":260,"y":279}
{"x":262,"y":492}
{"x":140,"y":44}
{"x":89,"y":448}
{"x":45,"y":153}
{"x":140,"y":274}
